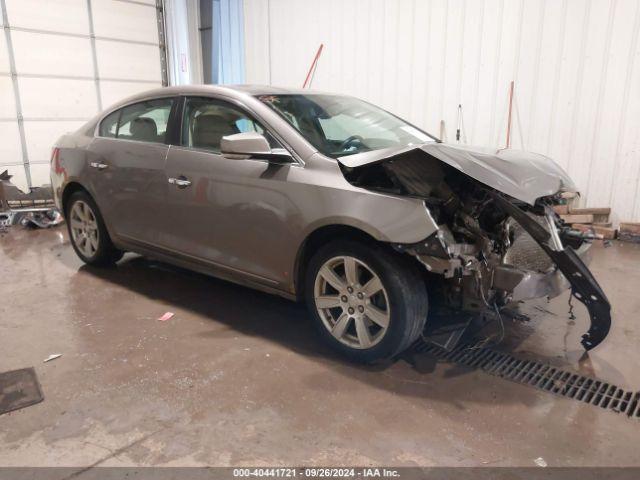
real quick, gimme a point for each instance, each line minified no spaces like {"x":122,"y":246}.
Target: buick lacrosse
{"x":325,"y":198}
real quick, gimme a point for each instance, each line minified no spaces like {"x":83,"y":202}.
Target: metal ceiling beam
{"x":16,"y":91}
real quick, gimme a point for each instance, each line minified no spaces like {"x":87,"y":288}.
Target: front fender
{"x":385,"y":218}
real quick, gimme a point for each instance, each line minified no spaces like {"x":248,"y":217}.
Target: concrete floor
{"x":238,"y":378}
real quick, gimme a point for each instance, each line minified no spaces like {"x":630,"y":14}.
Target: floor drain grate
{"x":539,"y":375}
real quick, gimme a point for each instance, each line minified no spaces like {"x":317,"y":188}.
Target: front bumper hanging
{"x":583,"y":284}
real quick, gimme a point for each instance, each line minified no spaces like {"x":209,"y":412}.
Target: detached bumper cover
{"x":583,"y":284}
{"x":586,"y":289}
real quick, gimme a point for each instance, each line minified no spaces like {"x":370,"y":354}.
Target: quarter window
{"x":206,"y":121}
{"x":143,"y":122}
{"x":109,"y":125}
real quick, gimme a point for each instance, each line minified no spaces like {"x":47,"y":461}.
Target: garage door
{"x":60,"y":63}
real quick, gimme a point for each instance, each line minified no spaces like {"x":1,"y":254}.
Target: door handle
{"x":180,"y":182}
{"x":99,"y":166}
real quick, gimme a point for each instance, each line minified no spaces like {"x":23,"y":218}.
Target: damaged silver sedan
{"x":377,"y":225}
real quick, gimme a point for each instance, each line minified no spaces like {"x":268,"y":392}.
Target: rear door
{"x":127,"y":161}
{"x":232,"y":214}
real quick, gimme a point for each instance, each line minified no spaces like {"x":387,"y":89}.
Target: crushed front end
{"x":490,"y":249}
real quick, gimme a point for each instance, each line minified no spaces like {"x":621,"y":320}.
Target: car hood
{"x":522,"y":175}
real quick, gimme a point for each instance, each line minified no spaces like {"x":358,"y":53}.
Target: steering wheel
{"x":349,"y":141}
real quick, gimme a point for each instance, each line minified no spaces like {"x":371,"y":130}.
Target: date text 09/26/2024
{"x":316,"y":472}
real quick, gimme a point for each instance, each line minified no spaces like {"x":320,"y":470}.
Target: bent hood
{"x":521,"y":175}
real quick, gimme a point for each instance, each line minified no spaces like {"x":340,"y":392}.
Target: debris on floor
{"x":19,"y":389}
{"x":41,"y":219}
{"x":629,"y":232}
{"x":35,"y":209}
{"x":166,"y":316}
{"x":53,"y":356}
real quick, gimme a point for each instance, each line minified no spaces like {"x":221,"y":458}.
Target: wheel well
{"x":69,"y":190}
{"x":316,"y":240}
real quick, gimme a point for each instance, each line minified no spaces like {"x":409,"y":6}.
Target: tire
{"x":91,"y":240}
{"x":402,"y":299}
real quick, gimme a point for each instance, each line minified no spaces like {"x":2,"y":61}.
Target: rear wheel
{"x":88,"y":234}
{"x":368,"y":303}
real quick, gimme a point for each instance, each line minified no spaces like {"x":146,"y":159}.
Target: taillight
{"x":55,"y":151}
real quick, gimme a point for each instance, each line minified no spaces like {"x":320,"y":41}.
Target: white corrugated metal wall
{"x":60,"y":63}
{"x":575,"y":63}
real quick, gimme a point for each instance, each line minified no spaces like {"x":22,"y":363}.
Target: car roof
{"x":235,"y":91}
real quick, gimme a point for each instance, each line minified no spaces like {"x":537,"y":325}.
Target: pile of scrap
{"x":587,"y":220}
{"x":595,"y":221}
{"x":33,"y":209}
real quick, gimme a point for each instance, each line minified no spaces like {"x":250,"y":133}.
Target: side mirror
{"x":242,"y":146}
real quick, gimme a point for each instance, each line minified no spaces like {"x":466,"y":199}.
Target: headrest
{"x":211,"y":122}
{"x":143,"y":128}
{"x":210,"y":128}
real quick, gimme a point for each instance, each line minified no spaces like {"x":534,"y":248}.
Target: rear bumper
{"x":526,"y":284}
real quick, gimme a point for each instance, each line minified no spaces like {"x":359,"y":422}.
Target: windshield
{"x":338,"y":125}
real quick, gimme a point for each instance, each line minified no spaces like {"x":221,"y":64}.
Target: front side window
{"x":144,"y":122}
{"x":207,"y":120}
{"x":339,"y":125}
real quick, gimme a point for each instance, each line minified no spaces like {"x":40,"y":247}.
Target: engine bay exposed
{"x":490,"y":249}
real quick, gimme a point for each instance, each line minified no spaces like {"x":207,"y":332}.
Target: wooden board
{"x":627,"y":227}
{"x":591,"y":211}
{"x":577,"y":218}
{"x":607,"y":233}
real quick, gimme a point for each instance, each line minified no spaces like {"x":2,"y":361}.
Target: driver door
{"x":222,"y":212}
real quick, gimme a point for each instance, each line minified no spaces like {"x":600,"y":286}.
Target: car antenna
{"x":312,"y":69}
{"x":511,"y":85}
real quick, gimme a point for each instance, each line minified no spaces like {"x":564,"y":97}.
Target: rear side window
{"x":143,"y":122}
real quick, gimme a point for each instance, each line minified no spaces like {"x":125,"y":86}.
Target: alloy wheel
{"x":352,"y":302}
{"x":84,"y":228}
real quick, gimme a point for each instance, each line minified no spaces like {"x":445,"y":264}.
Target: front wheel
{"x":368,"y":302}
